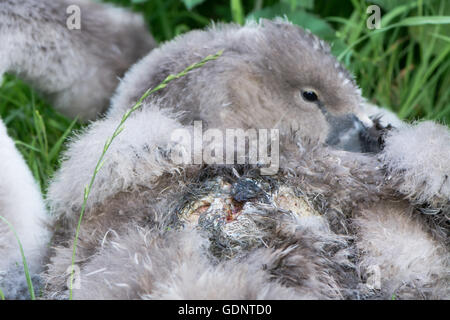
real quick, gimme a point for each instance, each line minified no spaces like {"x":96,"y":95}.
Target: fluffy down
{"x":77,"y":70}
{"x":417,"y":156}
{"x":21,"y":204}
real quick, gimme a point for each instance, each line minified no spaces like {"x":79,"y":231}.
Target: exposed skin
{"x":131,"y":244}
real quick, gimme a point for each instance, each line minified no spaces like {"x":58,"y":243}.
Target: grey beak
{"x":350,"y":134}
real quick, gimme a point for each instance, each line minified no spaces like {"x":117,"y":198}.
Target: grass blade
{"x":237,"y":11}
{"x":53,"y":154}
{"x":408,"y":22}
{"x":24,"y":261}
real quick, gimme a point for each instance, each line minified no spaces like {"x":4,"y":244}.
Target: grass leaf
{"x":24,"y":260}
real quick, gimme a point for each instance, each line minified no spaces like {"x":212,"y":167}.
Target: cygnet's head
{"x":271,"y":75}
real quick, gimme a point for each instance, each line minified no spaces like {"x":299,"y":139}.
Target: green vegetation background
{"x":405,"y":66}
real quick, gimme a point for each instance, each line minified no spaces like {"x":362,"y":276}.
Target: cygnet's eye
{"x":310,"y":95}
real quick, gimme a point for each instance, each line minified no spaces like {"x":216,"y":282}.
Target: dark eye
{"x":310,"y":96}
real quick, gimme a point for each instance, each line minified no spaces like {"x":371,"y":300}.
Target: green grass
{"x":38,"y":130}
{"x":404,"y":67}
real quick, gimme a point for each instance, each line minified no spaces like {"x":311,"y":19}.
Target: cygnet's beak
{"x":349,"y":133}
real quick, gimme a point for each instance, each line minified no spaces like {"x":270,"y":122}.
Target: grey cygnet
{"x":77,"y":70}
